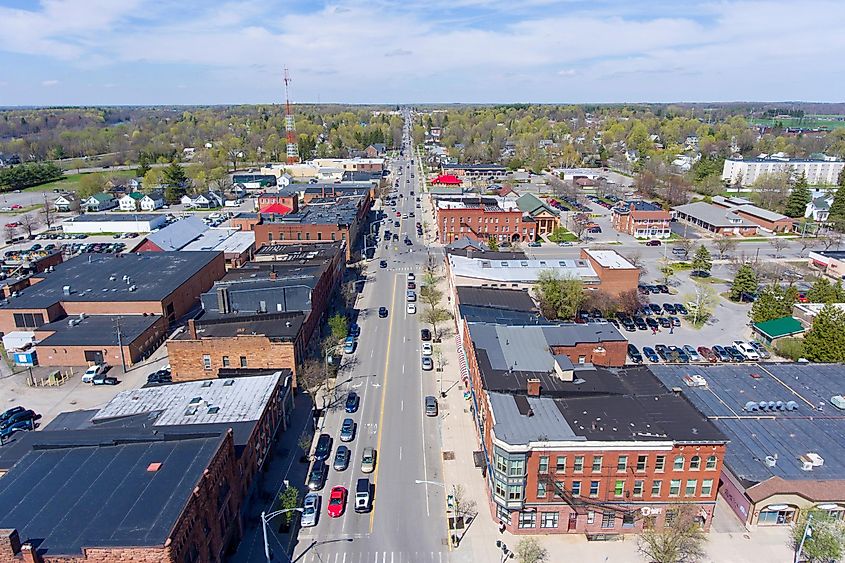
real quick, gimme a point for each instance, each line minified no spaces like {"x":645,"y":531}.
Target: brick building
{"x":616,"y":274}
{"x":288,"y":198}
{"x":642,"y":219}
{"x":769,"y":221}
{"x":156,"y":283}
{"x":575,"y":448}
{"x":477,"y":172}
{"x":263,"y":315}
{"x":482,"y":219}
{"x":176,"y":463}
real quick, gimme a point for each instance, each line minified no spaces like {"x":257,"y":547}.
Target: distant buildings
{"x":830,"y":262}
{"x":817,"y":171}
{"x":476,"y":172}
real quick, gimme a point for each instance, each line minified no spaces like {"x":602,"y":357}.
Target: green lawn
{"x":809,"y":122}
{"x":562,"y":235}
{"x":71,"y":182}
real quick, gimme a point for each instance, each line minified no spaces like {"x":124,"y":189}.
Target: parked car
{"x":310,"y":510}
{"x":691,"y":352}
{"x":426,"y":349}
{"x":634,"y":354}
{"x":317,"y":476}
{"x":655,"y":308}
{"x":337,"y":502}
{"x":324,"y":447}
{"x":425,"y":334}
{"x":663,"y":288}
{"x":664,"y":322}
{"x":160,"y":376}
{"x":652,"y":323}
{"x":662,"y":351}
{"x":352,"y":401}
{"x":669,"y":308}
{"x":747,"y":350}
{"x":7,"y":414}
{"x":368,"y":460}
{"x":650,"y":354}
{"x":675,"y":321}
{"x":708,"y":354}
{"x":347,"y":430}
{"x":341,"y":458}
{"x":761,"y":350}
{"x":680,"y":309}
{"x":92,"y":372}
{"x":628,"y":324}
{"x":722,"y":354}
{"x":653,"y":242}
{"x":640,"y":323}
{"x":8,"y":430}
{"x":103,"y":379}
{"x":427,"y":364}
{"x":430,"y":406}
{"x":412,"y":309}
{"x":735,"y":354}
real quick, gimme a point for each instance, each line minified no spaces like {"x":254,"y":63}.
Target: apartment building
{"x":642,"y":219}
{"x":482,"y":219}
{"x":818,"y":172}
{"x":476,"y":172}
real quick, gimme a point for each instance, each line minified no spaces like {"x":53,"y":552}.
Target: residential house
{"x":642,"y":219}
{"x":375,"y":150}
{"x":152,"y":201}
{"x":204,"y":200}
{"x":131,"y":201}
{"x":66,"y":203}
{"x":819,"y":209}
{"x":100,"y":202}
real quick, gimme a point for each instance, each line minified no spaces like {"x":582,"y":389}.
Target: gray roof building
{"x":178,"y":234}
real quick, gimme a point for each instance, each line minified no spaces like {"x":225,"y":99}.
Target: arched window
{"x":679,"y":463}
{"x":695,"y":463}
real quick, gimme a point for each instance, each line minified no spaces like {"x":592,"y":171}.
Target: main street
{"x":407,"y":522}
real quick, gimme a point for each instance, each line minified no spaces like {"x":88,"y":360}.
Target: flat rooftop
{"x":209,"y":401}
{"x":519,"y":270}
{"x":115,"y":217}
{"x":713,"y":215}
{"x":222,"y":240}
{"x":342,"y":211}
{"x":100,"y":278}
{"x":602,"y":405}
{"x":815,"y":425}
{"x":610,"y":259}
{"x":97,"y":330}
{"x":100,"y":493}
{"x":512,"y":299}
{"x":272,"y":325}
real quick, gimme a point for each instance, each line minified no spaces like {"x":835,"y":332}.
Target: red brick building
{"x":642,"y":219}
{"x":156,"y":283}
{"x":288,"y":199}
{"x":767,"y":220}
{"x":584,"y":449}
{"x":616,"y":274}
{"x":482,"y":219}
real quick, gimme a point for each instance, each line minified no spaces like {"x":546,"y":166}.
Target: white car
{"x":747,"y":350}
{"x":412,"y":309}
{"x":426,"y":349}
{"x":411,"y":276}
{"x":310,"y":510}
{"x":92,"y":372}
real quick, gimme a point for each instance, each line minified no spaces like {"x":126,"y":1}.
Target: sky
{"x":140,"y":52}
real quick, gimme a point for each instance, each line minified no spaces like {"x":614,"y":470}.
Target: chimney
{"x":223,"y":304}
{"x":192,"y":329}
{"x":10,"y":543}
{"x":30,"y":554}
{"x":534,"y":387}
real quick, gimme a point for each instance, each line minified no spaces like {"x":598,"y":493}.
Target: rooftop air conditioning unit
{"x":815,"y":458}
{"x":806,"y":464}
{"x":771,"y":460}
{"x":838,"y":401}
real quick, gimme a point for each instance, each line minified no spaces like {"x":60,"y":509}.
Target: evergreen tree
{"x":822,"y":292}
{"x":837,"y":208}
{"x":773,"y":302}
{"x":825,"y":341}
{"x":174,"y":175}
{"x":796,"y":204}
{"x":745,"y":281}
{"x":702,"y":261}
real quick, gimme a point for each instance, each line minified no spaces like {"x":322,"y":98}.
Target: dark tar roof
{"x":271,"y":325}
{"x":99,"y":278}
{"x":96,"y":490}
{"x":603,"y":405}
{"x":514,"y":300}
{"x":97,"y":330}
{"x":835,"y":254}
{"x":342,"y":211}
{"x":815,"y":426}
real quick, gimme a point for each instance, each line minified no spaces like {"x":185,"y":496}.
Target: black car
{"x":655,"y":308}
{"x":663,"y":288}
{"x":382,"y":312}
{"x":675,"y":321}
{"x":669,"y":308}
{"x":680,"y":309}
{"x":317,"y":477}
{"x":735,"y":354}
{"x":352,"y":401}
{"x":628,"y":324}
{"x":663,"y":351}
{"x":382,"y":264}
{"x":643,"y":289}
{"x":639,"y":322}
{"x":10,"y":413}
{"x":664,"y":322}
{"x":103,"y":379}
{"x":650,"y":354}
{"x":7,"y":431}
{"x":425,"y":334}
{"x":324,"y":447}
{"x":652,"y":323}
{"x":19,"y":416}
{"x":159,"y":377}
{"x":634,"y":354}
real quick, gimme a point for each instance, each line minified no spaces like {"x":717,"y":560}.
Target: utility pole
{"x":808,"y":532}
{"x":120,"y":344}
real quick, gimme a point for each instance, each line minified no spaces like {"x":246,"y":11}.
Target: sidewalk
{"x":728,"y":540}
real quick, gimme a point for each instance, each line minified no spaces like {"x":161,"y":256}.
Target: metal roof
{"x":814,"y":426}
{"x":777,"y":328}
{"x":239,"y":399}
{"x":545,"y":423}
{"x":713,"y":214}
{"x":178,"y":234}
{"x":520,"y":270}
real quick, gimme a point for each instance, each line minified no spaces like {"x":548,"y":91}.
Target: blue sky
{"x":78,"y":52}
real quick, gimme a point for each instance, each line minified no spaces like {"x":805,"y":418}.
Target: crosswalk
{"x":314,"y":556}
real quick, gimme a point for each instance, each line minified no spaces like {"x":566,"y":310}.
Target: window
{"x":638,"y":487}
{"x":514,"y":492}
{"x":619,"y":489}
{"x":711,"y":463}
{"x":695,"y":463}
{"x":28,"y":320}
{"x":660,"y":463}
{"x":597,"y":464}
{"x":655,"y":487}
{"x":528,"y":519}
{"x":501,"y":464}
{"x":582,"y":360}
{"x":544,"y":464}
{"x":674,"y":487}
{"x":270,"y":236}
{"x":641,"y":463}
{"x":206,"y":361}
{"x":560,"y":464}
{"x":541,"y":489}
{"x":576,"y":488}
{"x":591,"y":517}
{"x":243,"y":361}
{"x":706,"y":487}
{"x":579,"y":464}
{"x":622,"y":463}
{"x":608,"y":520}
{"x":628,"y":520}
{"x":594,"y":488}
{"x":225,"y":361}
{"x":692,"y":485}
{"x":499,"y":489}
{"x":517,"y":468}
{"x":548,"y":519}
{"x":679,"y":463}
{"x":671,"y":516}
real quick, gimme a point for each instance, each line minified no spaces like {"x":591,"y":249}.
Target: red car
{"x":337,"y":502}
{"x":398,"y":214}
{"x":17,"y":206}
{"x":707,"y":354}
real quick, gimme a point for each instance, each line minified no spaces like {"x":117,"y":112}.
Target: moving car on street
{"x":310,"y":510}
{"x":337,"y":502}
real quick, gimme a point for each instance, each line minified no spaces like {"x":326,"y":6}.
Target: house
{"x":642,"y":219}
{"x":152,"y":201}
{"x":544,"y":215}
{"x":130,"y":201}
{"x":100,"y":202}
{"x":285,"y":180}
{"x":66,"y":203}
{"x":375,"y":150}
{"x":204,"y":200}
{"x":819,"y":209}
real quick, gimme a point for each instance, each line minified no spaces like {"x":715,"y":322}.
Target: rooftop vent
{"x":228,"y":383}
{"x":154,"y":466}
{"x":771,"y":460}
{"x":838,"y":401}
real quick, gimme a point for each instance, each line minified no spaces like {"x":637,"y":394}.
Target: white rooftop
{"x":223,"y":239}
{"x":239,"y":399}
{"x":525,"y":271}
{"x":610,"y":259}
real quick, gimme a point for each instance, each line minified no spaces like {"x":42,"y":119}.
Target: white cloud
{"x":49,"y":83}
{"x":566,"y":72}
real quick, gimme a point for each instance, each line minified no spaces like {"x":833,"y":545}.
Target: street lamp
{"x":808,"y":532}
{"x":265,"y":518}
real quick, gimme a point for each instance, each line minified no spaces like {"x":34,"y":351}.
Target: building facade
{"x":745,"y":172}
{"x":642,"y":219}
{"x":480,"y":219}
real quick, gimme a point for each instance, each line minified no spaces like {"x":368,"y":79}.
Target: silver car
{"x":368,"y":460}
{"x":310,"y":510}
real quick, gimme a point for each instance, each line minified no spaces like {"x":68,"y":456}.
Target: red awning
{"x":277,"y":209}
{"x":447,"y":179}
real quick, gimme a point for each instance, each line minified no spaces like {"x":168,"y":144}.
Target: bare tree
{"x":29,"y":222}
{"x":686,"y":244}
{"x":464,"y":506}
{"x":725,"y":244}
{"x":529,"y":550}
{"x":313,"y":376}
{"x":11,"y":231}
{"x":830,"y":239}
{"x":681,"y":542}
{"x":779,"y":244}
{"x":48,"y":211}
{"x":636,"y":259}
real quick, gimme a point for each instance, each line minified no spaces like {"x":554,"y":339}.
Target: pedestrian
{"x":501,"y":526}
{"x":653,"y":330}
{"x":672,"y":329}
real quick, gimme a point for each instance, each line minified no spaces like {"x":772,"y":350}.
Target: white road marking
{"x":402,"y":405}
{"x":425,"y":465}
{"x":403,"y":368}
{"x":400,"y":453}
{"x":344,"y":557}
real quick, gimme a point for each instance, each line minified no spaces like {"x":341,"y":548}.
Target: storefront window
{"x":548,"y":520}
{"x":528,"y":519}
{"x":777,"y":515}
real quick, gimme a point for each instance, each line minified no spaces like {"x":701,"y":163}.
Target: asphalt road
{"x":407,"y":523}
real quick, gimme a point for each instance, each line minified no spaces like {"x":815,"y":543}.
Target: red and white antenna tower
{"x":290,"y":128}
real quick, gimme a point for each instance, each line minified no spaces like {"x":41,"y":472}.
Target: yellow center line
{"x":383,"y":397}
